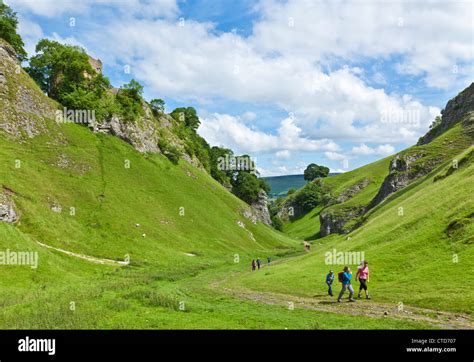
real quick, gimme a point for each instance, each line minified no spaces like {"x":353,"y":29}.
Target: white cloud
{"x":230,"y":131}
{"x":283,"y":155}
{"x":326,"y":104}
{"x":335,"y":156}
{"x":432,"y":37}
{"x":381,"y":150}
{"x":249,"y":116}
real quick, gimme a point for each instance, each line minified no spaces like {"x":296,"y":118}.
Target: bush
{"x":277,"y":223}
{"x":8,"y":26}
{"x":169,"y":151}
{"x":312,"y":195}
{"x":314,"y":171}
{"x":130,"y":101}
{"x":246,"y":186}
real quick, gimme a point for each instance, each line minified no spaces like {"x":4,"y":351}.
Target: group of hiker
{"x":256,"y":264}
{"x":345,"y":277}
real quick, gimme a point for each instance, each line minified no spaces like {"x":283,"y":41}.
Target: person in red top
{"x":363,"y":276}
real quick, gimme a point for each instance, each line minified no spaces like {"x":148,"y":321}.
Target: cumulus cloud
{"x":430,"y":37}
{"x":230,"y":131}
{"x":364,"y":150}
{"x":283,"y":155}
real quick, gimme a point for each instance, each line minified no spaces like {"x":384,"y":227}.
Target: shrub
{"x":169,"y":151}
{"x":277,"y":223}
{"x":8,"y":27}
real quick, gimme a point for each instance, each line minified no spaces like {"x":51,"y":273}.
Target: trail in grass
{"x":362,"y":307}
{"x":85,"y":257}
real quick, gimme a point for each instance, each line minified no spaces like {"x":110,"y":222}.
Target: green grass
{"x":412,"y":257}
{"x":441,"y":151}
{"x":182,"y":211}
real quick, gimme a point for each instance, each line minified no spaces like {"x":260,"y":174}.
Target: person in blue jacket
{"x":329,"y":281}
{"x":345,"y":278}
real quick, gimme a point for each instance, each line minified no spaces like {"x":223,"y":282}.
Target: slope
{"x":418,"y":257}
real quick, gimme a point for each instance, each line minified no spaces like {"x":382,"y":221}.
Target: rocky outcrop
{"x":352,"y":191}
{"x":141,"y":135}
{"x":261,"y":208}
{"x":457,"y":109}
{"x":7,"y":209}
{"x":333,"y":221}
{"x":25,"y":108}
{"x":402,"y":172}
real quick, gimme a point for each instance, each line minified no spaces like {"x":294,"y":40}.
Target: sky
{"x":337,"y":83}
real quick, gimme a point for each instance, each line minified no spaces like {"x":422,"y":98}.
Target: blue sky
{"x":289,"y":82}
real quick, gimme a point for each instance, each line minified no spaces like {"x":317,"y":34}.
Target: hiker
{"x":268,"y":260}
{"x":345,"y":278}
{"x":363,"y":276}
{"x":329,"y":281}
{"x":258,"y":263}
{"x":254,"y":265}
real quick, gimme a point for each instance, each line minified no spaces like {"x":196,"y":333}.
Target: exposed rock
{"x":242,"y":225}
{"x":456,"y":110}
{"x":333,"y":221}
{"x":24,"y":108}
{"x":249,"y":214}
{"x":402,"y":172}
{"x":141,"y":135}
{"x":56,"y":208}
{"x":7,"y":209}
{"x":352,"y":191}
{"x":261,"y":208}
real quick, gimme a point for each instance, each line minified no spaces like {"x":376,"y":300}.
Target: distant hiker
{"x":307,"y":246}
{"x":363,"y":276}
{"x":254,"y":265}
{"x":329,"y":281}
{"x":268,"y":260}
{"x":258,"y":263}
{"x":345,"y":278}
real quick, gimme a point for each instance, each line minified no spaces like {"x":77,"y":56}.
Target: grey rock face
{"x":7,"y":209}
{"x":352,"y":191}
{"x":455,"y":111}
{"x":261,"y":208}
{"x":401,"y":174}
{"x":334,"y":221}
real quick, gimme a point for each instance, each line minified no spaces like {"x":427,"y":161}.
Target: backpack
{"x":340,"y":276}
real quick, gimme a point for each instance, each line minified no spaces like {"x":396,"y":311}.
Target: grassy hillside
{"x":442,"y":149}
{"x":162,"y":287}
{"x":420,"y":258}
{"x":307,"y":226}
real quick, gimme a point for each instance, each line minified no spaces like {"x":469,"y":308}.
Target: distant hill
{"x":281,"y":184}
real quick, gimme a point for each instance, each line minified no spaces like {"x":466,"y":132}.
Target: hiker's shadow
{"x":328,"y":302}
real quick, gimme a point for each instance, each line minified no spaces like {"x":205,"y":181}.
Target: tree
{"x":59,"y":69}
{"x":187,"y":115}
{"x":246,"y":186}
{"x":130,"y":101}
{"x":64,"y":73}
{"x":309,"y":197}
{"x":8,"y":27}
{"x":157,"y":106}
{"x":314,"y":171}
